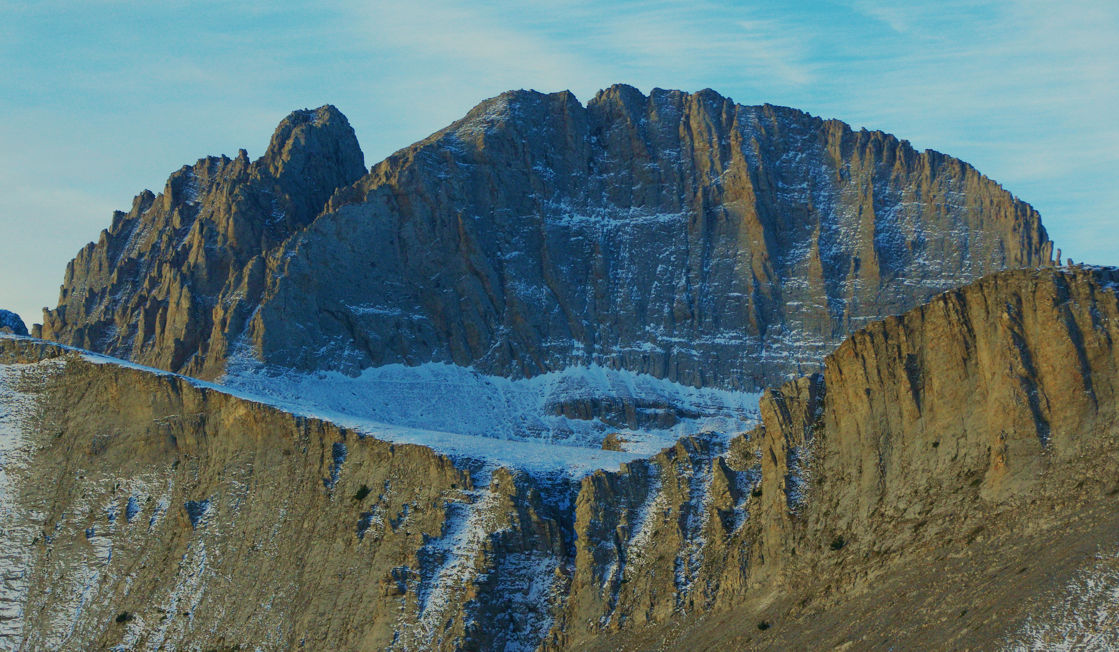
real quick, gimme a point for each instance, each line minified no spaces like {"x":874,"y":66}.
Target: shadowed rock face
{"x":944,"y":475}
{"x":10,"y":322}
{"x":675,"y":234}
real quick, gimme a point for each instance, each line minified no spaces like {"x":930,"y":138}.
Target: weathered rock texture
{"x":935,"y":486}
{"x":144,"y":511}
{"x":182,"y":263}
{"x":675,"y":234}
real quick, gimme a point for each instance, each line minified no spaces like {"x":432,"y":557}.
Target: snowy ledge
{"x":491,"y":420}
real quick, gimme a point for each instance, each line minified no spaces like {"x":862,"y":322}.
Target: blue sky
{"x":101,"y":99}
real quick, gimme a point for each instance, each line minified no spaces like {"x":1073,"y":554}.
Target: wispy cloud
{"x":586,"y":46}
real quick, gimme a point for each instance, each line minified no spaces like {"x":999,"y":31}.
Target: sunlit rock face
{"x":181,"y":264}
{"x":677,"y":235}
{"x":947,"y":480}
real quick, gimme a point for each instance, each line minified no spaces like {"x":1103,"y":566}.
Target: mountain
{"x":676,"y":235}
{"x":947,"y":480}
{"x":501,"y":391}
{"x":10,"y":322}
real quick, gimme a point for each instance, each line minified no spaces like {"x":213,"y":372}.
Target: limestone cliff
{"x":679,"y":235}
{"x":938,"y":484}
{"x":149,"y":512}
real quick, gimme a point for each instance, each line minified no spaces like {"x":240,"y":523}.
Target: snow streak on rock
{"x":17,"y":526}
{"x":745,"y":482}
{"x":454,"y":556}
{"x":632,"y":542}
{"x":526,"y":583}
{"x":696,"y":468}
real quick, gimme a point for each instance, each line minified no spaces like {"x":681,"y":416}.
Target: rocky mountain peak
{"x":620,"y":94}
{"x":314,"y":150}
{"x":512,"y":112}
{"x":148,"y":287}
{"x":677,"y":234}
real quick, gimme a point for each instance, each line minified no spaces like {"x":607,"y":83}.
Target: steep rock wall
{"x":156,"y":514}
{"x":980,"y":427}
{"x":151,"y":288}
{"x":675,"y":234}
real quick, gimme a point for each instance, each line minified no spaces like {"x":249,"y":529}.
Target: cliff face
{"x":145,"y":511}
{"x":983,"y":425}
{"x":939,"y":483}
{"x":153,"y":286}
{"x":674,"y":234}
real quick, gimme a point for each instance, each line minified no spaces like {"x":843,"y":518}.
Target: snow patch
{"x":519,"y":423}
{"x":337,"y":458}
{"x":499,"y":421}
{"x":798,"y":459}
{"x":197,"y":511}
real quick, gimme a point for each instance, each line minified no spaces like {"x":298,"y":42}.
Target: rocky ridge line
{"x":966,"y":448}
{"x":10,"y":322}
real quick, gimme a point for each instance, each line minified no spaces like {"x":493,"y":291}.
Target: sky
{"x":101,"y":99}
